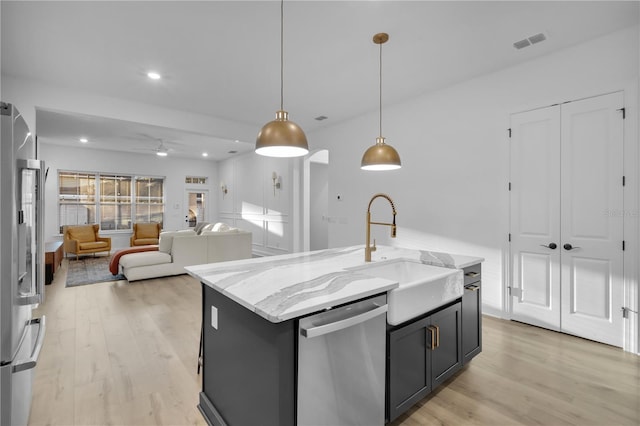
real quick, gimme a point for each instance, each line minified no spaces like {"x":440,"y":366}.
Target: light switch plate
{"x":214,"y":317}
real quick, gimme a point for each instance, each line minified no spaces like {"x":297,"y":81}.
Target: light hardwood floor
{"x":126,"y":354}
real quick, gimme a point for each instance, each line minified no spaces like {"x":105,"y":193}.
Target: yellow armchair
{"x":145,"y":234}
{"x":84,"y":239}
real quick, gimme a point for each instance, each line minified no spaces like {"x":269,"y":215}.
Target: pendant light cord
{"x":380,"y":89}
{"x":282,"y":55}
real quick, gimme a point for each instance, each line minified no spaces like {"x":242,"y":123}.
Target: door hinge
{"x":509,"y":130}
{"x":623,"y":245}
{"x":625,"y":312}
{"x":509,"y":237}
{"x":509,"y":186}
{"x":624,"y":112}
{"x":624,"y":180}
{"x":515,"y":292}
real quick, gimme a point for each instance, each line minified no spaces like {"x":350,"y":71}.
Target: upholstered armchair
{"x":145,"y":234}
{"x":84,"y":239}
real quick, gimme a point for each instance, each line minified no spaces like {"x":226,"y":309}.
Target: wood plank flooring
{"x":126,"y":354}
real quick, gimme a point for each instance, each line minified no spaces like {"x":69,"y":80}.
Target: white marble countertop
{"x":280,"y":288}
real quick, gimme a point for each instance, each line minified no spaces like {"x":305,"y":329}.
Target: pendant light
{"x":380,"y":156}
{"x":281,"y":137}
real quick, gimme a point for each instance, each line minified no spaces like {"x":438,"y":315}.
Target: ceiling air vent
{"x":321,"y":117}
{"x":232,"y":152}
{"x":529,"y":41}
{"x":537,"y":38}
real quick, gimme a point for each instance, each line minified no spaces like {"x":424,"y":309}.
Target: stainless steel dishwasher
{"x":341,"y":365}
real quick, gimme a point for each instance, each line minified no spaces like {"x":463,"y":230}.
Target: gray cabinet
{"x":421,"y":355}
{"x":471,"y":313}
{"x":248,"y":373}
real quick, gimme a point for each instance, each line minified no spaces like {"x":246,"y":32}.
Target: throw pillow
{"x":207,"y":227}
{"x":200,"y":226}
{"x":220,"y":227}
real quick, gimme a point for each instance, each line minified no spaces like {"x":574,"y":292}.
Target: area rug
{"x":90,"y":270}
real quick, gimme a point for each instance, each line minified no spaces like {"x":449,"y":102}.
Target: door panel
{"x":535,"y":221}
{"x":536,"y":269}
{"x":592,"y":193}
{"x":590,"y":288}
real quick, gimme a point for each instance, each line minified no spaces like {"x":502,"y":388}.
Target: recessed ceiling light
{"x":154,"y":75}
{"x":84,"y":140}
{"x":161,"y":154}
{"x":204,"y":154}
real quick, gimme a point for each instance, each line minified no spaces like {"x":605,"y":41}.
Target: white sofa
{"x":177,"y":249}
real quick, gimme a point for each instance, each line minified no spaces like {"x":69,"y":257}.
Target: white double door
{"x":567,"y":218}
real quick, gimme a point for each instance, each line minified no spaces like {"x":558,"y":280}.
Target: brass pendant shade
{"x":380,"y":156}
{"x":281,"y":137}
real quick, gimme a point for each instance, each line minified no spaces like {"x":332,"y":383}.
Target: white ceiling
{"x":221,"y":58}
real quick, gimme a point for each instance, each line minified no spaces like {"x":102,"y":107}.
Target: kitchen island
{"x":251,"y":314}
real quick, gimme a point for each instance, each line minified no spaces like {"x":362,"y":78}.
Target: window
{"x":200,"y":180}
{"x":114,"y":201}
{"x":76,"y":198}
{"x":149,"y":205}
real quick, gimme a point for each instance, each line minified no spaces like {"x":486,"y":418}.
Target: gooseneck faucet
{"x":368,"y":248}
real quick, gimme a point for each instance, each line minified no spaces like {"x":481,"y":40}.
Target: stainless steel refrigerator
{"x":21,"y":265}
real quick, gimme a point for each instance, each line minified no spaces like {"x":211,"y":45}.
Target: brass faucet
{"x":368,"y":248}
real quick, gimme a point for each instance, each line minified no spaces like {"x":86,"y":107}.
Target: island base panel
{"x":248,"y":365}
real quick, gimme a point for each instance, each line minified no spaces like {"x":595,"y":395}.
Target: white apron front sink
{"x":422,"y":288}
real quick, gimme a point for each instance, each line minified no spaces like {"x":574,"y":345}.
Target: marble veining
{"x":288,"y":286}
{"x":325,"y":285}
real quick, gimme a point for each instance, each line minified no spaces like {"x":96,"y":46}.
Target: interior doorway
{"x":316,"y":201}
{"x":196,"y":207}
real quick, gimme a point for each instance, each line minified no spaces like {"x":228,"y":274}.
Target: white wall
{"x":451,"y":193}
{"x":319,"y":206}
{"x":84,"y":159}
{"x":252,"y":203}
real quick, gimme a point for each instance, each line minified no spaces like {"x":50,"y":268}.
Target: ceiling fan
{"x":162,"y":149}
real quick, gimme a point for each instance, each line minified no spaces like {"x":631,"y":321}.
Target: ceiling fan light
{"x":380,"y":156}
{"x":281,"y":138}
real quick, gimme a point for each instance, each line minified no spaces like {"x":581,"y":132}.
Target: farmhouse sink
{"x":422,"y":288}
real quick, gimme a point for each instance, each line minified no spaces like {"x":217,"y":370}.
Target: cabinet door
{"x":446,"y":358}
{"x":471,"y":322}
{"x":409,"y":378}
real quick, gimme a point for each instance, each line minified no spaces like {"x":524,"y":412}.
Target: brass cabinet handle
{"x":437,"y":336}
{"x":472,"y":287}
{"x":432,"y":332}
{"x":472,"y":274}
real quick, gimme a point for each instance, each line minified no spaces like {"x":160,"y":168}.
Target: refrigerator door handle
{"x":37,"y":347}
{"x":37,"y":295}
